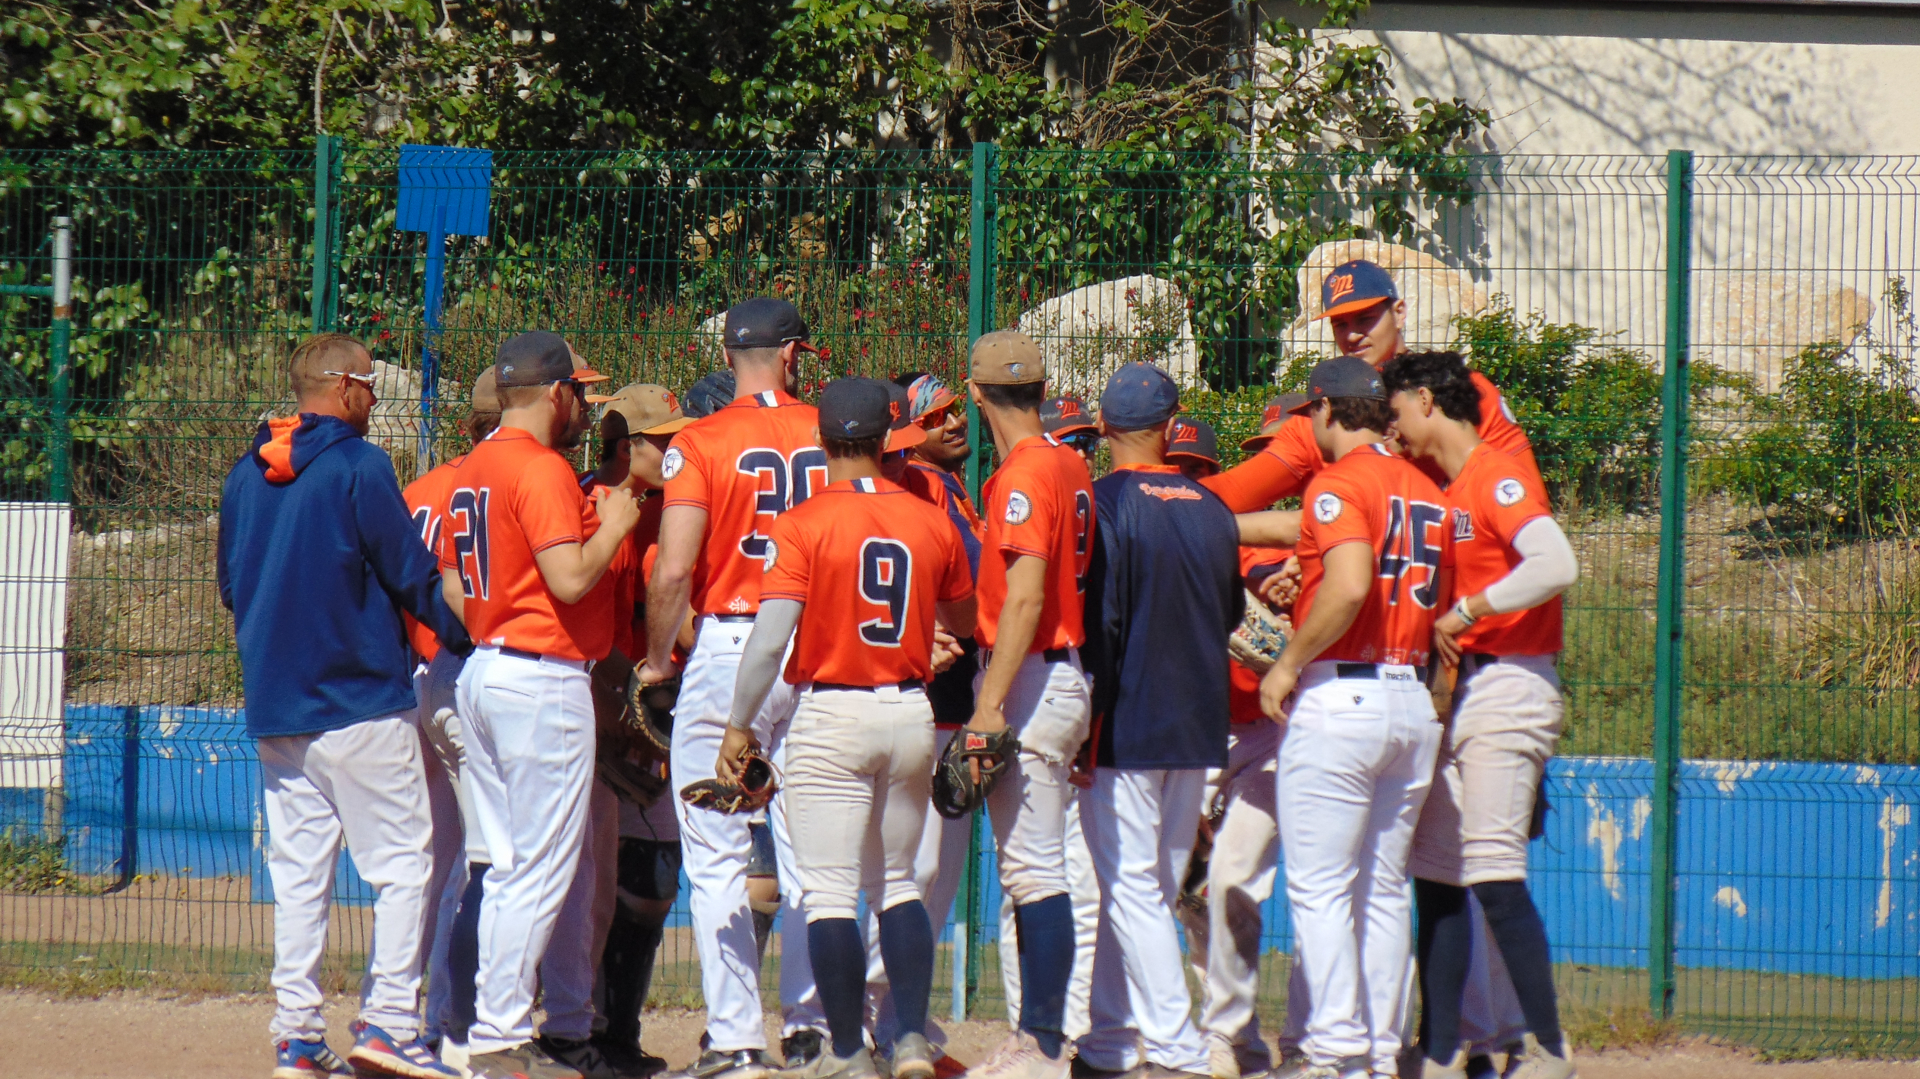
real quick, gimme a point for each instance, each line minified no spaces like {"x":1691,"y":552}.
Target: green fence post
{"x":60,"y":433}
{"x":1669,"y":626}
{"x":326,"y":165}
{"x":983,"y":255}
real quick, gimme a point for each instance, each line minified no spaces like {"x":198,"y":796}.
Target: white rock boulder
{"x":1086,"y":334}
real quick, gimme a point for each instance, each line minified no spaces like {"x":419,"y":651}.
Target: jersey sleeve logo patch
{"x":1019,"y":508}
{"x":772,"y":556}
{"x":1507,"y":492}
{"x":1327,"y":507}
{"x":672,"y":463}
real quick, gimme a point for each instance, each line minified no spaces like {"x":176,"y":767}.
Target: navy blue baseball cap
{"x":1194,"y":438}
{"x":1139,"y":396}
{"x":1355,"y":286}
{"x":1065,"y":414}
{"x":852,"y":409}
{"x":1348,"y":376}
{"x":765,"y":322}
{"x":536,"y":358}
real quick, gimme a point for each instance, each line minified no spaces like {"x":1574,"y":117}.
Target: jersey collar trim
{"x":765,"y":399}
{"x":1160,"y":469}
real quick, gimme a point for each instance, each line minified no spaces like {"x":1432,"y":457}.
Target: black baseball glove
{"x":650,"y":712}
{"x":756,"y":788}
{"x":965,"y":774}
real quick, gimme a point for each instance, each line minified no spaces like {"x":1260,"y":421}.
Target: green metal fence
{"x":1713,"y":356}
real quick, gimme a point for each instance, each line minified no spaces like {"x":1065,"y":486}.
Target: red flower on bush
{"x":926,"y":325}
{"x":377,"y":316}
{"x":386,"y":335}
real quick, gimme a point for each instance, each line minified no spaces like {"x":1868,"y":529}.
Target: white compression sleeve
{"x":760,"y":662}
{"x":1547,"y":568}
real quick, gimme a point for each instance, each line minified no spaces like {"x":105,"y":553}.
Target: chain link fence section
{"x":133,"y":852}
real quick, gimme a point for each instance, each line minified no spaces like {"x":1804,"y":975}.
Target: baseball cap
{"x":538,"y":357}
{"x":855,"y":408}
{"x":1007,"y":358}
{"x":1274,"y":415}
{"x":1194,"y":438}
{"x":927,"y":395}
{"x":904,"y":434}
{"x":639,"y":409}
{"x":1347,"y":376}
{"x":1138,"y":396}
{"x":1065,"y":414}
{"x":1353,"y":286}
{"x":765,"y":322}
{"x":486,"y":392}
{"x":713,"y":392}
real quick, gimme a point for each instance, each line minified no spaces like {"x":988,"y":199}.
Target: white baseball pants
{"x":1240,"y":874}
{"x":715,"y":846}
{"x":1084,"y":888}
{"x":530,"y":743}
{"x":1047,"y":708}
{"x":1140,"y":826}
{"x":1355,"y":766}
{"x":1506,"y":721}
{"x":456,"y":835}
{"x":580,"y":935}
{"x":938,"y":864}
{"x":365,"y":783}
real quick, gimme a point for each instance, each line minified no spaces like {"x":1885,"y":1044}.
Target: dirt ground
{"x":161,"y":1037}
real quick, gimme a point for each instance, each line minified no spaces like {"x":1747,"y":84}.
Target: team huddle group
{"x":778,"y":647}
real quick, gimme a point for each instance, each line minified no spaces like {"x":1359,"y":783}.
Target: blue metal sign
{"x":444,"y":191}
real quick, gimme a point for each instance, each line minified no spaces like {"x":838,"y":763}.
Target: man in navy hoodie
{"x":1163,"y":592}
{"x":317,"y":559}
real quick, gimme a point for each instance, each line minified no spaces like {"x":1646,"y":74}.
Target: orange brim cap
{"x":1360,"y":304}
{"x":587,"y":374}
{"x":905,"y":438}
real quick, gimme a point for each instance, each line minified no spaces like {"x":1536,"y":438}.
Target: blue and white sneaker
{"x":306,"y":1059}
{"x":375,"y":1052}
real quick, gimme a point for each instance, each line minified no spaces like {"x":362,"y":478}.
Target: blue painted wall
{"x":1797,"y":868}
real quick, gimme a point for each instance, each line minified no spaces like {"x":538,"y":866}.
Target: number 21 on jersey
{"x":467,"y":516}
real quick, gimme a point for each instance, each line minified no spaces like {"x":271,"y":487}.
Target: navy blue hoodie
{"x":318,"y":556}
{"x":1163,"y":593}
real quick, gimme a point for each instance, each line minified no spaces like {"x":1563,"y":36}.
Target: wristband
{"x":1460,"y":609}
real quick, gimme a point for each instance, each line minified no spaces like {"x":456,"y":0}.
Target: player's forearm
{"x":760,"y":660}
{"x":1347,"y":579}
{"x":666,"y":610}
{"x":1547,"y":568}
{"x":1270,"y":528}
{"x":960,"y":617}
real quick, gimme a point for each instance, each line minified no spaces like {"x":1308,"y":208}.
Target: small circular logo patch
{"x":1019,"y":508}
{"x":672,"y":463}
{"x":1507,"y":492}
{"x":772,"y":555}
{"x":1327,"y":507}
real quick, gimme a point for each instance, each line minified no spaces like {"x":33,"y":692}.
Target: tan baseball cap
{"x":1007,"y":358}
{"x":639,"y":409}
{"x":486,"y":391}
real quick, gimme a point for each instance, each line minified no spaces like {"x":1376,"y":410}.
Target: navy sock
{"x":1046,"y":966}
{"x":840,"y":974}
{"x":906,"y":946}
{"x":463,"y":950}
{"x":1516,"y":927}
{"x":1444,"y":947}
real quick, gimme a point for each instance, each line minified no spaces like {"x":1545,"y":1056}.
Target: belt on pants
{"x":582,"y":665}
{"x":731,"y":617}
{"x":911,"y":683}
{"x":1370,"y":670}
{"x":1051,"y":655}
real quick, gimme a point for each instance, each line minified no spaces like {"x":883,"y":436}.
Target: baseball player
{"x":1512,"y":562}
{"x":532,"y":559}
{"x":854,"y":580}
{"x":459,"y":855}
{"x":317,"y":555}
{"x":729,"y":478}
{"x":1162,"y":595}
{"x":1040,"y":525}
{"x":1358,"y":754}
{"x":1368,"y":316}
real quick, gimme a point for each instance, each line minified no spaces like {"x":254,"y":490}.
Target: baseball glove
{"x":1261,"y":636}
{"x":965,"y":774}
{"x":650,"y":712}
{"x":756,"y":788}
{"x":635,"y":783}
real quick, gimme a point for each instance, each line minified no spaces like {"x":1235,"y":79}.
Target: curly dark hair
{"x":1360,"y":413}
{"x":1444,"y":374}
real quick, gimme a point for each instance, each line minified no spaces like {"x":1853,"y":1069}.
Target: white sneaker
{"x":1537,"y":1063}
{"x":1019,"y":1057}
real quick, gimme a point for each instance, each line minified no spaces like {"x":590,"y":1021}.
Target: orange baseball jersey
{"x":745,"y":465}
{"x":1284,"y":465}
{"x":1376,"y":497}
{"x":1039,"y":502}
{"x":1492,"y":500}
{"x":510,"y":499}
{"x":1243,"y":684}
{"x":427,"y":500}
{"x":622,"y":580}
{"x":869,"y":560}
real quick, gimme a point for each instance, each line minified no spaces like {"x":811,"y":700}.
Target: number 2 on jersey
{"x":886,"y":579}
{"x":467,"y":513}
{"x":785,"y":482}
